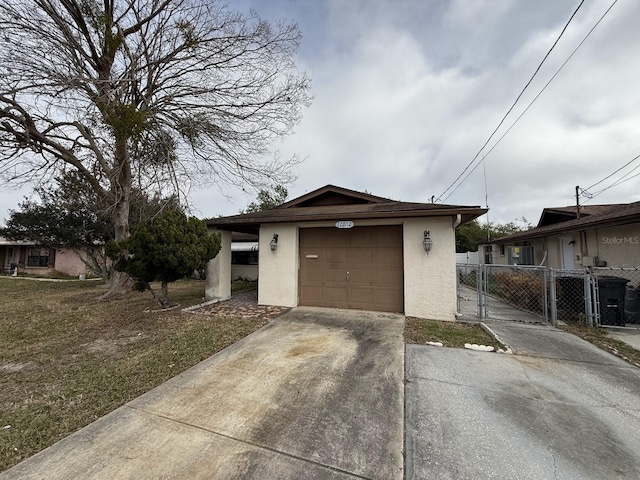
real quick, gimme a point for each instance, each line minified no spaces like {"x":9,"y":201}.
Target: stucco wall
{"x":618,"y":246}
{"x":278,"y":271}
{"x":68,"y":262}
{"x":218,"y":283}
{"x":430,"y":279}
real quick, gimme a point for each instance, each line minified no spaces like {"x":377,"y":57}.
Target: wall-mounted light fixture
{"x":427,"y":243}
{"x":274,"y":242}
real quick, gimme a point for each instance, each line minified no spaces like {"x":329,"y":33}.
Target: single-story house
{"x":31,"y":258}
{"x":602,"y":235}
{"x":336,"y":247}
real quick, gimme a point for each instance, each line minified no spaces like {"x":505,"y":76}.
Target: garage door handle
{"x":347,"y":276}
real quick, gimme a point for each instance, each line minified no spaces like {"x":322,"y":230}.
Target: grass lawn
{"x":66,"y":360}
{"x":450,"y":334}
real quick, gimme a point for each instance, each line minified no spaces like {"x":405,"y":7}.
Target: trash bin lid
{"x":608,"y":281}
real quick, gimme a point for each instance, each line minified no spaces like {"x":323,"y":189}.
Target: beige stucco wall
{"x":618,"y":246}
{"x":278,"y":271}
{"x":430,"y":279}
{"x":68,"y":261}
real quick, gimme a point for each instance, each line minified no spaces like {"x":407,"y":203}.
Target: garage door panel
{"x":334,"y":257}
{"x":388,"y":298}
{"x":312,"y":276}
{"x":361,"y":237}
{"x":388,"y":256}
{"x":372,"y":256}
{"x":310,"y":295}
{"x":335,"y":294}
{"x":361,"y":256}
{"x":387,"y":277}
{"x":361,"y":276}
{"x":334,"y":238}
{"x":335,"y":276}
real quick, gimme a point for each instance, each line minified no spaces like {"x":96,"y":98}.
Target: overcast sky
{"x":407,"y":91}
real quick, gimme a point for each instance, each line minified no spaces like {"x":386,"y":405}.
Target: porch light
{"x":274,"y":242}
{"x":427,"y":243}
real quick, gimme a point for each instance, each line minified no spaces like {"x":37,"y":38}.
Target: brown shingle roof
{"x":344,"y":205}
{"x":618,"y":214}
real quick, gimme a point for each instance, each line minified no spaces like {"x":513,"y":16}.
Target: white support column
{"x":218,"y":284}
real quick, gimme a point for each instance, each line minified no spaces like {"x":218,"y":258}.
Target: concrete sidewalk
{"x":317,"y":394}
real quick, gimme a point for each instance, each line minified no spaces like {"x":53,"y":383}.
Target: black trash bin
{"x":612,"y":293}
{"x":632,"y":305}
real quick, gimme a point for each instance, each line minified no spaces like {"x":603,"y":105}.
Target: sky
{"x":406,"y":92}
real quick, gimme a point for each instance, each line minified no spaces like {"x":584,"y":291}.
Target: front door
{"x":566,"y":252}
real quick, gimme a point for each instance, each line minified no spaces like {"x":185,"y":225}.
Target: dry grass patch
{"x":450,"y":334}
{"x":66,"y":360}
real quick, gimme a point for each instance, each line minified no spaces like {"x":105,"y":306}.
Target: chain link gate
{"x":594,"y":296}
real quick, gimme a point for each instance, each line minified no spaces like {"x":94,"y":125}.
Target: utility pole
{"x":577,"y":201}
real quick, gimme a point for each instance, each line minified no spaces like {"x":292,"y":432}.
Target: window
{"x":502,"y":249}
{"x":38,"y":257}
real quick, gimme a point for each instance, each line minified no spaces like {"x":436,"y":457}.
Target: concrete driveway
{"x":317,"y":394}
{"x":559,"y":408}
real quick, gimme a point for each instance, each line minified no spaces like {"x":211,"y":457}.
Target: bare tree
{"x":166,"y":92}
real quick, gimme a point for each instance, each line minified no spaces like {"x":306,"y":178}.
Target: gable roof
{"x":618,"y":214}
{"x":551,"y":215}
{"x":337,"y":203}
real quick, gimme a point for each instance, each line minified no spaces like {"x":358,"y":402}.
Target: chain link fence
{"x":597,"y":296}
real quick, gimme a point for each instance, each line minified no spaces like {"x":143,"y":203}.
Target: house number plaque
{"x":344,"y":224}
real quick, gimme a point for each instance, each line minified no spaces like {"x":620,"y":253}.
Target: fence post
{"x":553,"y":298}
{"x":588,"y":301}
{"x":479,"y":289}
{"x":545,"y":305}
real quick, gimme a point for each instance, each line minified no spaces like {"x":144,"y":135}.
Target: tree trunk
{"x":164,"y":296}
{"x":120,"y":282}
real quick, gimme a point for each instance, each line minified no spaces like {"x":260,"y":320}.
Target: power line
{"x":624,"y":178}
{"x":533,"y":101}
{"x":516,"y":100}
{"x":611,"y":175}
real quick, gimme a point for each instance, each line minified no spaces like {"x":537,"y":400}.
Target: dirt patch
{"x":15,"y":367}
{"x":104,"y":345}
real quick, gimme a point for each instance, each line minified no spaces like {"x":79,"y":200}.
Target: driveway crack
{"x":253,"y":444}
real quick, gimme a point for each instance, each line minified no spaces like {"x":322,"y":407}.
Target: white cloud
{"x":407,"y":91}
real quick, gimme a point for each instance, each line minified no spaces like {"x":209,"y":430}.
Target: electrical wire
{"x":624,"y":178}
{"x":516,"y":100}
{"x":612,"y":174}
{"x":531,"y":103}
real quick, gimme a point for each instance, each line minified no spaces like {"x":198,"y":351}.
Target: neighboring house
{"x":31,"y":258}
{"x":604,"y":235}
{"x":335,"y":247}
{"x":244,"y":257}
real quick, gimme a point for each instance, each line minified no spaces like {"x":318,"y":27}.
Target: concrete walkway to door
{"x":316,"y":394}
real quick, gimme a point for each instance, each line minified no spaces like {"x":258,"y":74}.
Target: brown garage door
{"x":357,"y":268}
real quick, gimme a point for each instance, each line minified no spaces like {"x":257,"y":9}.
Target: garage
{"x":340,"y":248}
{"x":359,"y":268}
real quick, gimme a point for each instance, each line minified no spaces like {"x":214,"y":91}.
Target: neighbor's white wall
{"x":218,"y":283}
{"x":430,"y":279}
{"x":278,"y":271}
